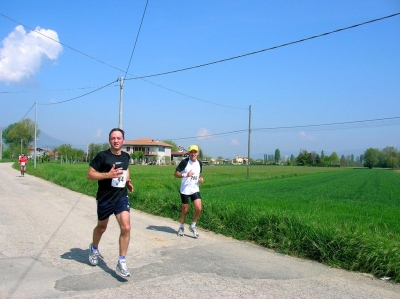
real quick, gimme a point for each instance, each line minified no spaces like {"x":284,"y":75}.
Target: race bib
{"x":22,"y":163}
{"x":119,"y":182}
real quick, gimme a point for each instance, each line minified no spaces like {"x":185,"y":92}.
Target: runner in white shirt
{"x":189,"y":171}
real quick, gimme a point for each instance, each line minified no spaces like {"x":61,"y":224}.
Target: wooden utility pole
{"x":248,"y":145}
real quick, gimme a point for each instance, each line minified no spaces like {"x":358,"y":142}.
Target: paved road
{"x":45,"y":231}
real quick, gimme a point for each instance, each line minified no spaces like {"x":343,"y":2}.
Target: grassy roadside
{"x":347,"y":218}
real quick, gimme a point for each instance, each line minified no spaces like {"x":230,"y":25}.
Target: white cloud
{"x":203,"y":133}
{"x":304,"y":136}
{"x":98,"y":133}
{"x":22,"y":53}
{"x":235,"y":142}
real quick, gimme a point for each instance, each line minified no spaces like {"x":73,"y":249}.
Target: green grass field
{"x":347,"y":218}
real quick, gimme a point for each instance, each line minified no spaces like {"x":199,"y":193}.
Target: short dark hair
{"x":119,"y":130}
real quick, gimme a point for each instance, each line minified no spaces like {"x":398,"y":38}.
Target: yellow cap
{"x":193,"y":147}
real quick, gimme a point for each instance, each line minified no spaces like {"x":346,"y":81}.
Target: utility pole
{"x":34,"y":150}
{"x":1,"y":143}
{"x":21,"y":147}
{"x":248,"y":145}
{"x":121,"y":92}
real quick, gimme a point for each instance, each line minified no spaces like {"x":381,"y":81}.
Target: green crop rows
{"x":347,"y":218}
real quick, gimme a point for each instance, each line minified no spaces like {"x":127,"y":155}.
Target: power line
{"x":180,"y":93}
{"x":210,"y":63}
{"x":137,"y":36}
{"x":80,"y":95}
{"x":360,"y":123}
{"x":267,"y":49}
{"x":169,"y":89}
{"x":49,"y":90}
{"x":65,"y":45}
{"x":28,"y":111}
{"x":209,"y":135}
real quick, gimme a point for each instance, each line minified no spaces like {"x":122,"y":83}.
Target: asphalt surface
{"x":45,"y":231}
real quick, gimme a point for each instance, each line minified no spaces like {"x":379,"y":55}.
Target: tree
{"x":94,"y":149}
{"x":174,"y":148}
{"x":201,"y":154}
{"x":277,"y":155}
{"x":23,"y":130}
{"x":334,"y":158}
{"x":138,"y":156}
{"x":371,"y":157}
{"x":6,"y":131}
{"x":313,"y":158}
{"x":303,"y":158}
{"x":392,"y":162}
{"x":383,"y":158}
{"x":343,"y":161}
{"x":65,"y":150}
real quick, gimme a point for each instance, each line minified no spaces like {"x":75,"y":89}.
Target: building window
{"x":128,"y":148}
{"x":161,"y":149}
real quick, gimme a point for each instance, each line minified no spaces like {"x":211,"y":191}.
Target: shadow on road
{"x":82,"y":256}
{"x":166,"y":229}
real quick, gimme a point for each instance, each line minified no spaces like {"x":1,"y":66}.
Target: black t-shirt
{"x":103,"y":162}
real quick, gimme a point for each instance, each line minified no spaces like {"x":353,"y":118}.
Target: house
{"x":154,"y":151}
{"x":39,"y":151}
{"x":239,"y":160}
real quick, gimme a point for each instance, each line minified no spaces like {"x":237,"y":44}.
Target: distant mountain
{"x":46,"y":141}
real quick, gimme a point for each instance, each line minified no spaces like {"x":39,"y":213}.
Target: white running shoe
{"x":193,"y":230}
{"x":93,"y":255}
{"x":122,"y":269}
{"x":181,"y":231}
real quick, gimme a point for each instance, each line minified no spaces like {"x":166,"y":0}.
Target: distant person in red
{"x":22,"y":163}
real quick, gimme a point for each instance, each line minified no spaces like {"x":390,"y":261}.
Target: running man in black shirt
{"x":110,"y":169}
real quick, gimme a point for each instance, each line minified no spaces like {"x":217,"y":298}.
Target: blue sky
{"x":345,"y":77}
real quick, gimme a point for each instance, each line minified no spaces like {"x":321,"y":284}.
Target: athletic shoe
{"x":122,"y":269}
{"x":181,"y":231}
{"x":93,"y":255}
{"x":193,"y":230}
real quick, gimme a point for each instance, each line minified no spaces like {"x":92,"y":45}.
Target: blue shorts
{"x":193,"y":197}
{"x":106,"y":209}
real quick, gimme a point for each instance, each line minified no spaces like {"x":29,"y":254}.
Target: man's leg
{"x":99,"y":231}
{"x":124,"y":221}
{"x":184,"y":211}
{"x":196,"y":215}
{"x":197,"y":209}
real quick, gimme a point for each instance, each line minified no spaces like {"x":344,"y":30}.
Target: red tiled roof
{"x":147,"y":142}
{"x":178,"y":153}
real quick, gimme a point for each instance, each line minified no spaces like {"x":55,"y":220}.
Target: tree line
{"x":18,"y":136}
{"x":389,"y":157}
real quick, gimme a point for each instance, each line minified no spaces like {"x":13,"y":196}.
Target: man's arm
{"x":128,"y":181}
{"x":94,"y":175}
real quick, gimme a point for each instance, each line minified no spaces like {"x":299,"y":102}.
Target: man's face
{"x":116,"y":140}
{"x":193,"y":155}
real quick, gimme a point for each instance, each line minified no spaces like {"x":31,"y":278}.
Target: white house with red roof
{"x":153,"y":149}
